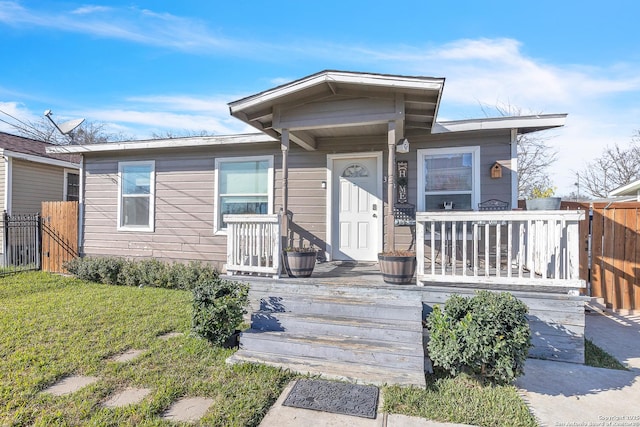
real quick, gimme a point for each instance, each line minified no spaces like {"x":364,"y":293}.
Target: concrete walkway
{"x":569,"y":394}
{"x":558,"y":393}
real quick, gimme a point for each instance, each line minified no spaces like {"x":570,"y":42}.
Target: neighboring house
{"x":29,"y":175}
{"x":630,"y":192}
{"x":328,"y":153}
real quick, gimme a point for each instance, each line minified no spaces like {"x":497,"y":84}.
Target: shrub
{"x":218,"y":309}
{"x":487,"y":335}
{"x":147,"y":272}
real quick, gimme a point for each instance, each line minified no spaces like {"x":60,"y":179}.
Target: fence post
{"x":5,"y":240}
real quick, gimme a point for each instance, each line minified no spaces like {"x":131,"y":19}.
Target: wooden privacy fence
{"x":615,"y":255}
{"x":59,"y":234}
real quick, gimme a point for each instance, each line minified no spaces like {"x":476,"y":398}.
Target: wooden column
{"x":284,"y":146}
{"x":391,"y":171}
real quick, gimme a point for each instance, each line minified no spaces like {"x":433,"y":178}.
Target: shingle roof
{"x":20,"y":144}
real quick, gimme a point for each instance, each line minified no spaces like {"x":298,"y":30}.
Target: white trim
{"x":377,"y":155}
{"x":8,"y":183}
{"x":81,"y":208}
{"x":630,"y":189}
{"x":216,"y":202}
{"x":475,"y":191}
{"x":338,"y":77}
{"x":200,"y":141}
{"x":524,"y":124}
{"x":38,"y":159}
{"x":514,"y":168}
{"x":68,"y":171}
{"x":152,"y":196}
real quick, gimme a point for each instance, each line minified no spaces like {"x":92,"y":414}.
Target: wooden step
{"x":346,"y":371}
{"x":321,"y":324}
{"x":336,"y":348}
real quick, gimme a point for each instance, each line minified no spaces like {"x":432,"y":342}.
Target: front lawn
{"x":55,"y":326}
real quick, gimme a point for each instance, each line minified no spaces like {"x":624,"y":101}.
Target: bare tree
{"x":614,"y":167}
{"x":534,"y":154}
{"x":169,"y":134}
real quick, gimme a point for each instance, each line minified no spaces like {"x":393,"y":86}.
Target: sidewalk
{"x":569,"y":394}
{"x":557,"y":393}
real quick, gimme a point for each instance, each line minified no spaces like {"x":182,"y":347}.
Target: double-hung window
{"x":71,"y":185}
{"x":136,"y":195}
{"x":449,"y":178}
{"x":244,"y":185}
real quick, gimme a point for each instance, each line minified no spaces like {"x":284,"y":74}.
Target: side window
{"x":136,"y":196}
{"x":243,"y":186}
{"x":71,"y":186}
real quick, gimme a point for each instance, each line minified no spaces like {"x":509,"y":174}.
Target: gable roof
{"x":31,"y":149}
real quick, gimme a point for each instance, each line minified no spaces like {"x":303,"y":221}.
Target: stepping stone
{"x":128,"y":396}
{"x":127,"y":356}
{"x":188,"y":409}
{"x":70,"y":385}
{"x":170,"y":335}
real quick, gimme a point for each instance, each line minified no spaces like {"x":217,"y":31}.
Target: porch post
{"x":391,"y":170}
{"x":514,"y":169}
{"x":284,"y":146}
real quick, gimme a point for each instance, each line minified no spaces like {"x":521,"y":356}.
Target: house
{"x":629,"y":192}
{"x":327,"y":155}
{"x":351,"y":164}
{"x":29,"y":175}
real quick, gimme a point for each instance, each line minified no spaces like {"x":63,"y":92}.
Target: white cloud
{"x":89,"y":9}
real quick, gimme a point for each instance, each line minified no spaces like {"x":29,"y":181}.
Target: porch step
{"x":318,"y":324}
{"x":342,"y":348}
{"x":358,"y":333}
{"x":354,"y":372}
{"x":596,"y":305}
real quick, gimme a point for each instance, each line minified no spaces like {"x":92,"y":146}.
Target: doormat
{"x":335,"y":397}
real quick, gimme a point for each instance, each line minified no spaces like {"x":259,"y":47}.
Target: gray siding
{"x":185,"y":191}
{"x":33,"y":183}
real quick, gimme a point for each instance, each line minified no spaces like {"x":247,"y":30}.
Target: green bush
{"x":218,"y":309}
{"x":147,"y":272}
{"x":486,"y":335}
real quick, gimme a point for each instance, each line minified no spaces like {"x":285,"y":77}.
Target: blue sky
{"x":153,"y":66}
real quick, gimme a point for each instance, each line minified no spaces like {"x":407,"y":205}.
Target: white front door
{"x":357,"y":209}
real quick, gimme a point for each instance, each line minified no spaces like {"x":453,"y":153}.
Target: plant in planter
{"x":541,"y":199}
{"x":299,"y":262}
{"x":397,"y":267}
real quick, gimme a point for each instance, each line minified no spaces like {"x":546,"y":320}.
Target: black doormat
{"x":335,"y":397}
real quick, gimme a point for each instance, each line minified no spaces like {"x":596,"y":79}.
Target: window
{"x":71,"y":185}
{"x":449,"y":178}
{"x":243,"y":186}
{"x":136,"y":195}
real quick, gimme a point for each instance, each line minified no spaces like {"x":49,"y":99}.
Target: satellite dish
{"x":67,"y":127}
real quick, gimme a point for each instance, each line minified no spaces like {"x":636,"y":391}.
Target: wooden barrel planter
{"x":299,"y":264}
{"x":397,"y":269}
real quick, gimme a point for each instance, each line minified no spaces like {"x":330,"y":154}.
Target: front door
{"x":356,"y":209}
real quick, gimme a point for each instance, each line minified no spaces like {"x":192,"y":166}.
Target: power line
{"x":28,"y":129}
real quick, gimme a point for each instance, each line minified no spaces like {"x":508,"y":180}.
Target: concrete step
{"x":354,"y":372}
{"x":336,"y":348}
{"x":321,"y":324}
{"x":339,"y":306}
{"x":596,"y":305}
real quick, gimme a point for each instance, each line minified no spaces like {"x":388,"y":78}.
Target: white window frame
{"x":66,"y":183}
{"x":474,"y":150}
{"x":152,"y":196}
{"x":218,"y":161}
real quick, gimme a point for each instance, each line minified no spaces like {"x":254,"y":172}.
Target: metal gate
{"x":21,"y":243}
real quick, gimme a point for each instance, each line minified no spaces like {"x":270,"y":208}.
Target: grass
{"x":460,"y":399}
{"x":597,"y":357}
{"x":55,"y":326}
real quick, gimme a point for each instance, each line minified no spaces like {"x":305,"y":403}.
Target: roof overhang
{"x":339,"y":103}
{"x":39,"y":159}
{"x":523,"y":124}
{"x":631,"y":189}
{"x":189,"y":142}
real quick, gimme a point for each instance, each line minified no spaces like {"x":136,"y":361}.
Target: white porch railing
{"x":253,"y":244}
{"x":502,"y":247}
